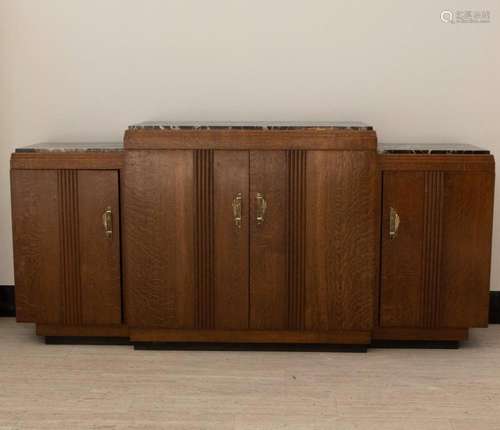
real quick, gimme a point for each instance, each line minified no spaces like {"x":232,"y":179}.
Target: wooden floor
{"x":114,"y":387}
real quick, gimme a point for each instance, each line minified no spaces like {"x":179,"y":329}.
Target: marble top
{"x":430,"y":148}
{"x":258,"y":125}
{"x":383,"y":148}
{"x":73,"y":147}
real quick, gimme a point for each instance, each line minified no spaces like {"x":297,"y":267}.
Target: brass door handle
{"x":393,"y":223}
{"x":237,"y":202}
{"x":261,"y":208}
{"x":107,"y":221}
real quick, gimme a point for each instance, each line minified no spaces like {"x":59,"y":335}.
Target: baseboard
{"x":494,"y":307}
{"x":7,"y":301}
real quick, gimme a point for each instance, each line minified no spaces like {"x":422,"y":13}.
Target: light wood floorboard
{"x":114,"y":387}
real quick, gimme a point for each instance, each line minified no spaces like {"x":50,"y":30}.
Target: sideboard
{"x":253,"y":233}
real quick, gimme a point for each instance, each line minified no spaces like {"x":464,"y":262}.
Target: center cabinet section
{"x":240,"y":240}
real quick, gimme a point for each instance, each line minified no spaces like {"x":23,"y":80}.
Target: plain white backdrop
{"x":82,"y":70}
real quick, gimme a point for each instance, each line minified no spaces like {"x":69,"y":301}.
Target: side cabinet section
{"x":66,"y":226}
{"x":436,"y":249}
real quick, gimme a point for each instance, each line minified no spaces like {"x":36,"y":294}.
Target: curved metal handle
{"x":107,"y":221}
{"x":261,"y":208}
{"x":237,"y":201}
{"x":393,"y":223}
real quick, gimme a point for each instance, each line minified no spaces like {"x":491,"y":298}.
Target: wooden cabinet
{"x":67,"y":246}
{"x":290,"y":234}
{"x":436,"y":242}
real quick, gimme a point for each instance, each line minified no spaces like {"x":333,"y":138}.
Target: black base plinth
{"x":203,"y":346}
{"x":416,"y":344}
{"x":84,"y":340}
{"x":7,"y":301}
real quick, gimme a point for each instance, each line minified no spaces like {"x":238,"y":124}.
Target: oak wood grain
{"x":435,"y":274}
{"x":204,"y":238}
{"x":409,"y":333}
{"x":158,"y":209}
{"x":296,"y":238}
{"x":100,"y":330}
{"x":340,"y":238}
{"x":268,"y":240}
{"x":466,"y":250}
{"x":231,"y":247}
{"x":257,"y":336}
{"x":402,"y":265}
{"x":35,"y":224}
{"x":251,"y":140}
{"x":445,"y":162}
{"x":69,"y":243}
{"x":99,"y":264}
{"x":67,"y":160}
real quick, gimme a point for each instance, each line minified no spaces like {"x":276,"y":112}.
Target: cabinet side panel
{"x":402,"y":265}
{"x":99,"y":254}
{"x":341,"y":239}
{"x":36,"y":245}
{"x":268,"y":245}
{"x":466,"y":249}
{"x":158,"y":234}
{"x":231,"y":247}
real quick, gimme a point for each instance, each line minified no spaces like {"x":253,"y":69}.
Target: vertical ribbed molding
{"x":432,"y":244}
{"x":204,"y":238}
{"x":71,"y":291}
{"x":297,"y":163}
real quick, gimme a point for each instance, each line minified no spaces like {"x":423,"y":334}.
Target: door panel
{"x":401,"y":291}
{"x":158,"y":234}
{"x":268,"y":244}
{"x":99,"y":251}
{"x":231,"y":248}
{"x":341,"y":197}
{"x":435,"y":273}
{"x":35,"y":224}
{"x":67,"y":270}
{"x":466,"y":249}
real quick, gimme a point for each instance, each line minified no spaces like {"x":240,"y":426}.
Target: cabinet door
{"x":435,"y":270}
{"x":402,"y":264}
{"x":313,"y":249}
{"x":229,"y":297}
{"x":158,"y":231}
{"x":340,"y":238}
{"x":186,"y":236}
{"x":99,"y":237}
{"x":67,"y":265}
{"x":467,"y":222}
{"x":268,"y":245}
{"x":35,"y":228}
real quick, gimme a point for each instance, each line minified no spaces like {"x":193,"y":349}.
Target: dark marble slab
{"x":425,"y":148}
{"x":259,"y":125}
{"x":73,"y":147}
{"x":387,"y":148}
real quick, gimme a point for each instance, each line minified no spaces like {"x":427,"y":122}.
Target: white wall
{"x":82,"y":70}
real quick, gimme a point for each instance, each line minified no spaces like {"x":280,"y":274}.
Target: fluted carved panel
{"x":71,"y":292}
{"x":297,"y":162}
{"x":432,"y":243}
{"x":204,"y":238}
